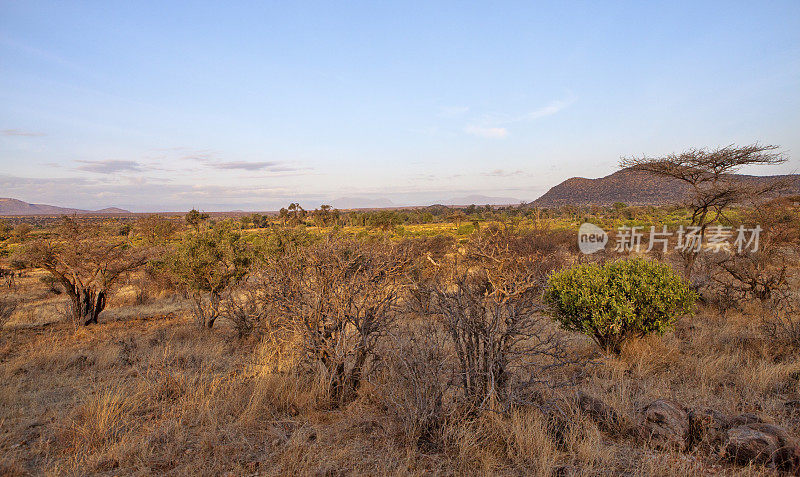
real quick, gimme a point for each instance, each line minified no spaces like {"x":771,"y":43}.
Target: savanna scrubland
{"x":448,"y":341}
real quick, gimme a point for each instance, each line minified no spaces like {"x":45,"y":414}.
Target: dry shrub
{"x":738,"y":278}
{"x":249,"y":308}
{"x":339,"y":297}
{"x":732,"y":279}
{"x":488,"y":299}
{"x":781,"y":326}
{"x":416,"y":382}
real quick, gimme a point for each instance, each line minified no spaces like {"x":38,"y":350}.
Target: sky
{"x":166,"y":106}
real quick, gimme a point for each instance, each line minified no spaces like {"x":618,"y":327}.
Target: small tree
{"x":154,"y":229}
{"x":618,"y":300}
{"x":87,"y":260}
{"x":196,"y":219}
{"x":207,"y":264}
{"x":384,"y":219}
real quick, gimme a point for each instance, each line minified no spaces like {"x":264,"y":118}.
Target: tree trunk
{"x":87,"y":305}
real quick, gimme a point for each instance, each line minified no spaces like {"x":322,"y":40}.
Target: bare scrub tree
{"x":339,"y":297}
{"x":710,"y":177}
{"x":489,"y":301}
{"x":252,"y":307}
{"x":417,"y":375}
{"x":87,"y":260}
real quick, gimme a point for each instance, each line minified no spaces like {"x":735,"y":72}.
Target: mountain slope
{"x":10,"y":206}
{"x":634,"y":188}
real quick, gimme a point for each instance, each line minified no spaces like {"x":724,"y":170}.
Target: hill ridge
{"x":634,"y":188}
{"x":10,"y":206}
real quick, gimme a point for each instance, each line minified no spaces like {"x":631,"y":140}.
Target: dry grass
{"x":153,"y":395}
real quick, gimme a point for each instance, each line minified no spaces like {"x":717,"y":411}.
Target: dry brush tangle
{"x":339,"y":297}
{"x":488,"y":297}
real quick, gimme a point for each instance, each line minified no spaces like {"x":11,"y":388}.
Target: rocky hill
{"x":634,"y":188}
{"x":17,"y":207}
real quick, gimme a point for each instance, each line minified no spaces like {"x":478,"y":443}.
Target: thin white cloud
{"x":248,"y":166}
{"x":550,"y":109}
{"x":487,"y":132}
{"x":19,"y":132}
{"x":495,"y":125}
{"x":110,"y":166}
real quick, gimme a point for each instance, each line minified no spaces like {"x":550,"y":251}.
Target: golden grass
{"x":154,"y":395}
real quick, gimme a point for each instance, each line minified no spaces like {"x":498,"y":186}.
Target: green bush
{"x":618,"y":300}
{"x":207,"y":264}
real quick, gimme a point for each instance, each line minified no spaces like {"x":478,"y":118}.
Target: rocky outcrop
{"x":665,"y":423}
{"x":744,"y":439}
{"x":762,"y":443}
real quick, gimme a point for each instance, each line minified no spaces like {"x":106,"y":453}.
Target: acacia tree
{"x":297,"y":212}
{"x":710,"y":176}
{"x":21,"y":232}
{"x":86,"y":259}
{"x":207,"y":264}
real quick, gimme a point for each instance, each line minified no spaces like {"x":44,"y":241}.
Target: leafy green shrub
{"x":618,"y":300}
{"x":207,"y":264}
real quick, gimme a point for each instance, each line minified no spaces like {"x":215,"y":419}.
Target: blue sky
{"x":221,"y":106}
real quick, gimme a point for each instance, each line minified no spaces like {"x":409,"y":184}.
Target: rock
{"x":665,"y":423}
{"x":745,"y":419}
{"x":760,"y":443}
{"x":606,"y":417}
{"x":708,"y":428}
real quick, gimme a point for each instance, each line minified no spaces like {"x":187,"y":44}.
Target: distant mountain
{"x":361,"y":203}
{"x":635,"y":188}
{"x":17,"y":207}
{"x":110,"y":210}
{"x":481,"y":200}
